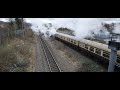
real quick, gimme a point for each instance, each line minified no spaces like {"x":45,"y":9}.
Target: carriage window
{"x":106,"y":54}
{"x":118,"y":58}
{"x":80,"y":45}
{"x":86,"y":46}
{"x":91,"y":48}
{"x":74,"y":42}
{"x":98,"y":51}
{"x":83,"y":45}
{"x":68,"y":39}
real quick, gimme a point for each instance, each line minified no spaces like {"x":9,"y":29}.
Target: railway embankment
{"x":18,"y":55}
{"x":72,"y":61}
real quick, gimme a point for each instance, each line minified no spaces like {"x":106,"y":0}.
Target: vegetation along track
{"x":53,"y":66}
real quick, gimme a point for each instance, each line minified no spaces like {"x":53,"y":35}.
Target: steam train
{"x":90,"y":47}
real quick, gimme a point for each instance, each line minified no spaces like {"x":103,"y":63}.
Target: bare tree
{"x":20,"y":24}
{"x":11,"y":28}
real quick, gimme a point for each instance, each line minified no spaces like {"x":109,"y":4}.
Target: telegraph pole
{"x":23,"y":27}
{"x":114,"y":45}
{"x":112,"y":59}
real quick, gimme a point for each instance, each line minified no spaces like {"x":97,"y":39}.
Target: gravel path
{"x":70,"y":60}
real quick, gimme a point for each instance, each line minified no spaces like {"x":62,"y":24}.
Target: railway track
{"x":53,"y":66}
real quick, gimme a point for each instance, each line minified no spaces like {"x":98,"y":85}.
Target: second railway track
{"x":53,"y":66}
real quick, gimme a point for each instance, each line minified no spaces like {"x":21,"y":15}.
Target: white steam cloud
{"x":81,"y":26}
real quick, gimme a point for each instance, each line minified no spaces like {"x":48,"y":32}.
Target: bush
{"x":15,"y":56}
{"x":7,"y":58}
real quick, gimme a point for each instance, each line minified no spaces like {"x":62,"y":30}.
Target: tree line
{"x":15,"y":27}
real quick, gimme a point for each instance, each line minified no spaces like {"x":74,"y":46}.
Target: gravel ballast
{"x":70,"y":60}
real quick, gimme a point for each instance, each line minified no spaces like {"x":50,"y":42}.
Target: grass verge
{"x":18,"y":55}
